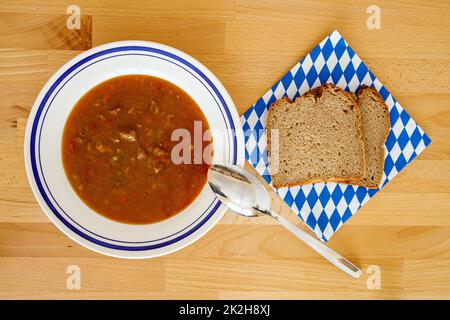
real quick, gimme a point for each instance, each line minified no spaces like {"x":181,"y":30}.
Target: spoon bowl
{"x":239,"y":190}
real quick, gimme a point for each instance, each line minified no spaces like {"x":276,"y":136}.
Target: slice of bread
{"x":316,"y":138}
{"x":376,"y":126}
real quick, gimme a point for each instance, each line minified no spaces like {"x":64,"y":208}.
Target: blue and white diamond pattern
{"x":325,"y":207}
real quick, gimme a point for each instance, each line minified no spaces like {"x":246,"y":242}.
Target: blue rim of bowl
{"x":32,"y":148}
{"x":39,"y":150}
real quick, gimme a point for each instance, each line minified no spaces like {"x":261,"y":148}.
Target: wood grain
{"x":405,"y":229}
{"x":43,"y":31}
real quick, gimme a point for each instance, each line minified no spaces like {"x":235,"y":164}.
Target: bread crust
{"x":377,"y":96}
{"x":316,"y":93}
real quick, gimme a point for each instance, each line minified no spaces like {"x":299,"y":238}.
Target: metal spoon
{"x":244,"y":194}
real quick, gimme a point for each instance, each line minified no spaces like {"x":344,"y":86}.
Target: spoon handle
{"x":332,"y":256}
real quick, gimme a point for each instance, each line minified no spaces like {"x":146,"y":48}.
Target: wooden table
{"x":405,"y":230}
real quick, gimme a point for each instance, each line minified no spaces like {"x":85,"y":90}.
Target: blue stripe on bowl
{"x":212,"y":207}
{"x":45,"y":182}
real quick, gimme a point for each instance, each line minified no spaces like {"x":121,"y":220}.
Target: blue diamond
{"x":403,"y":139}
{"x":312,"y":198}
{"x":336,"y":73}
{"x":288,"y":199}
{"x":246,"y":128}
{"x":405,"y":117}
{"x":258,"y":129}
{"x":248,"y":112}
{"x":287,"y":80}
{"x":336,"y":195}
{"x":339,"y":49}
{"x":324,"y":74}
{"x":384,"y":93}
{"x":388,"y":165}
{"x":347,"y":214}
{"x":327,"y":49}
{"x":311,"y":77}
{"x":300,"y":199}
{"x":361,"y":193}
{"x":314,"y":53}
{"x":400,"y":163}
{"x":412,"y":157}
{"x":324,"y":197}
{"x":271,"y":100}
{"x":372,"y":192}
{"x":299,"y":77}
{"x":426,"y":140}
{"x":349,"y":72}
{"x":349,"y":193}
{"x":335,"y":219}
{"x":323,"y":221}
{"x":350,"y":52}
{"x":311,"y":221}
{"x":361,"y":71}
{"x":416,"y":137}
{"x":260,"y":107}
{"x":394,"y":115}
{"x":390,"y":141}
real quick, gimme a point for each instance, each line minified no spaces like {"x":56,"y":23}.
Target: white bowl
{"x":43,"y":147}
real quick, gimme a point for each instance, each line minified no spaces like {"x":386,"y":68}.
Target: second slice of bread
{"x":376,"y":127}
{"x":318,"y":138}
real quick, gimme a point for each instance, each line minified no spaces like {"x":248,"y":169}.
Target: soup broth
{"x":116,"y":149}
